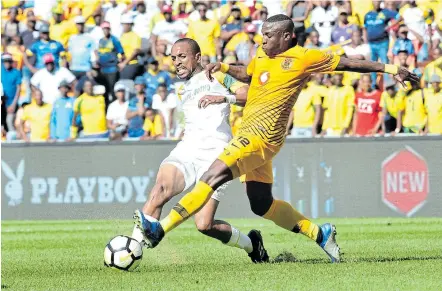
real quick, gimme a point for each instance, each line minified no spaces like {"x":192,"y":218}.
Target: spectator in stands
{"x":433,"y":34}
{"x":62,"y":114}
{"x":164,"y":60}
{"x":135,"y":115}
{"x":91,"y":107}
{"x":414,"y":114}
{"x":165,"y":102}
{"x":153,"y":77}
{"x":367,"y":117}
{"x":415,"y":21}
{"x":38,"y":114}
{"x":29,"y":35}
{"x":356,"y":50}
{"x":43,"y":46}
{"x":141,"y":20}
{"x":116,"y":113}
{"x":11,"y":82}
{"x":153,"y":126}
{"x":244,"y":44}
{"x":229,"y":30}
{"x":14,"y":134}
{"x":11,"y":26}
{"x":205,"y":60}
{"x":263,"y":13}
{"x":49,"y":79}
{"x":227,"y":13}
{"x":433,"y":106}
{"x":206,"y":32}
{"x":313,"y":41}
{"x":131,"y":43}
{"x":338,"y":105}
{"x":393,"y":105}
{"x":140,"y":88}
{"x":299,"y":11}
{"x":114,"y":16}
{"x":94,"y":76}
{"x":343,"y":31}
{"x":306,"y":113}
{"x":434,"y":67}
{"x":81,"y":49}
{"x":323,"y":19}
{"x":96,"y":32}
{"x":375,"y":25}
{"x":167,"y":31}
{"x":60,"y":29}
{"x":403,"y":43}
{"x":109,"y":48}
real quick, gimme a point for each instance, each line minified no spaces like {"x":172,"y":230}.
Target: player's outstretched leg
{"x":252,"y":243}
{"x":284,"y":215}
{"x":191,"y":203}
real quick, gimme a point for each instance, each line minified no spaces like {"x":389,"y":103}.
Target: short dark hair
{"x":192,"y":43}
{"x":162,"y":85}
{"x":201,"y":3}
{"x":286,"y":21}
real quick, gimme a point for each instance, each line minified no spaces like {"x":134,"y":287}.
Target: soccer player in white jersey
{"x":206,"y":107}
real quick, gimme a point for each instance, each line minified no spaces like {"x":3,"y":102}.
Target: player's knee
{"x":204,"y":225}
{"x":217,"y":175}
{"x":258,"y":208}
{"x":161,"y":193}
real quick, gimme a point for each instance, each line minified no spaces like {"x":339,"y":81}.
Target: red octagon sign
{"x":405,"y":182}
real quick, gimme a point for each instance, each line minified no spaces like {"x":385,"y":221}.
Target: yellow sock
{"x":285,"y":216}
{"x":187,"y":206}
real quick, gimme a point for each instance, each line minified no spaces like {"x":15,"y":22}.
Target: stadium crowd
{"x":102,"y":68}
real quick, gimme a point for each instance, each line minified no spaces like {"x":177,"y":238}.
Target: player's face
{"x":275,"y":40}
{"x":184,"y":60}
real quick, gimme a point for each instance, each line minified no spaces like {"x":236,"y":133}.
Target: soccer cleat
{"x":259,"y":253}
{"x":328,"y":243}
{"x":151,"y":228}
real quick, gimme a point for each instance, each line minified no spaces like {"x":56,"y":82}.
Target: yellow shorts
{"x":252,"y":156}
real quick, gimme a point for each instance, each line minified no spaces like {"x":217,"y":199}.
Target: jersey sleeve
{"x":251,"y":67}
{"x":190,"y":33}
{"x":228,"y":81}
{"x":77,"y":105}
{"x":231,"y":45}
{"x":217,"y":30}
{"x":316,"y":61}
{"x":25,"y":115}
{"x":316,"y":99}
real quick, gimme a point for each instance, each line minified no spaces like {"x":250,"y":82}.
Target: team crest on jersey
{"x":287,"y":64}
{"x":264,"y":78}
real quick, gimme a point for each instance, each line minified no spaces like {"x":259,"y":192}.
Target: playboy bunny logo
{"x":14,"y":188}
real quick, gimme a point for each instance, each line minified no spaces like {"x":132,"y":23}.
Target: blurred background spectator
{"x":54,"y":50}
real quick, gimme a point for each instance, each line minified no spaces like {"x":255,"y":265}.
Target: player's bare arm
{"x":239,"y":98}
{"x":237,"y":72}
{"x":401,"y":74}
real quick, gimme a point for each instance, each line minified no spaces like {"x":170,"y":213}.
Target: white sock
{"x":137,"y":234}
{"x":240,"y":240}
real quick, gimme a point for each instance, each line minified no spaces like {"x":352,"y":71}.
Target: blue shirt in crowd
{"x":376,"y":22}
{"x":108,"y":50}
{"x":40,"y":48}
{"x":10,"y":79}
{"x":81,"y":48}
{"x":61,"y":118}
{"x":154,"y":80}
{"x":403,"y":45}
{"x":135,"y":125}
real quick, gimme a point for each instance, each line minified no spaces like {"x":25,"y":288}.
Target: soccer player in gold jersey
{"x":276,"y":76}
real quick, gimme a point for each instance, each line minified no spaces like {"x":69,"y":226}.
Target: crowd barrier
{"x":342,"y":177}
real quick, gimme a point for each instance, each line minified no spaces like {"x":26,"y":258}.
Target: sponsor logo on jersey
{"x":264,"y":78}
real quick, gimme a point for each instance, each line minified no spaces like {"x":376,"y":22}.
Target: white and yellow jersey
{"x":206,"y":128}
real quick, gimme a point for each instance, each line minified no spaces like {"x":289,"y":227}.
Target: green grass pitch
{"x":378,"y":254}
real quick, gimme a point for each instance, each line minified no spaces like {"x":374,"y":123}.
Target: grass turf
{"x":378,"y":254}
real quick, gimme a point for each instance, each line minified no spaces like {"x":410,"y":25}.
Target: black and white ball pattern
{"x":123,"y":253}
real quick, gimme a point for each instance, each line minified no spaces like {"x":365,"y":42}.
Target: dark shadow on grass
{"x":287,"y":257}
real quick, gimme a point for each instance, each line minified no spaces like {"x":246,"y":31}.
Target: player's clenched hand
{"x":405,"y":75}
{"x":211,"y":99}
{"x":212,"y":68}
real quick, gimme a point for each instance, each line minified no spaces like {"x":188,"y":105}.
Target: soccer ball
{"x":123,"y":253}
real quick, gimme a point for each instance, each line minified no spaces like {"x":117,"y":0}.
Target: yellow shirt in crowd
{"x":62,"y":31}
{"x":130,"y":41}
{"x":433,"y":106}
{"x":393,"y":104}
{"x":240,"y":38}
{"x":154,"y":127}
{"x":39,"y":117}
{"x":338,"y":105}
{"x":433,"y":69}
{"x":93,"y":113}
{"x":304,"y":109}
{"x":415,"y":116}
{"x":204,"y":33}
{"x":360,"y":8}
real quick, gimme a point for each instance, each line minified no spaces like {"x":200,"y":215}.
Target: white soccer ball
{"x":123,"y":253}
